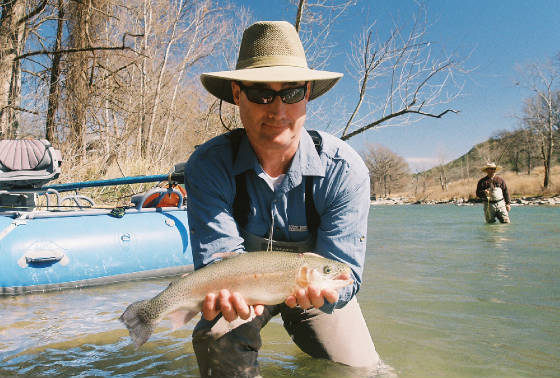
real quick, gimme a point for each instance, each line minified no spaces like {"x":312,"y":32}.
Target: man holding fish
{"x":275,"y":186}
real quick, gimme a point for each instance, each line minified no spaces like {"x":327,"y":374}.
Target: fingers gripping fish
{"x":265,"y":278}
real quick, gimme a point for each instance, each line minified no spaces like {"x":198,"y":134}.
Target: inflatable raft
{"x":50,"y":247}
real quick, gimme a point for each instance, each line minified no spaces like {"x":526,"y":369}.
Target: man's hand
{"x":508,"y":207}
{"x":231,"y":305}
{"x":311,"y":297}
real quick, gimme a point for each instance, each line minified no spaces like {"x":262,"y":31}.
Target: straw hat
{"x":270,"y":51}
{"x":489,"y":166}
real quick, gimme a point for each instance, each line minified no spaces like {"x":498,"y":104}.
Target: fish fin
{"x":177,"y":280}
{"x":314,"y":276}
{"x":139,"y":328}
{"x":302,"y":279}
{"x":312,"y":254}
{"x":181,"y":317}
{"x":191,"y":314}
{"x":224,"y":255}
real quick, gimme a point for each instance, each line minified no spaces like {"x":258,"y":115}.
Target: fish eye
{"x":327,"y":269}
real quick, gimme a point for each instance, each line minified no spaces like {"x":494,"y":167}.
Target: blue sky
{"x":498,"y":36}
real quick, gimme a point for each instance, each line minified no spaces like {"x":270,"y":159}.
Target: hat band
{"x":274,"y":60}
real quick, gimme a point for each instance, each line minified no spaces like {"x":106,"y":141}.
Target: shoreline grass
{"x":520,"y":185}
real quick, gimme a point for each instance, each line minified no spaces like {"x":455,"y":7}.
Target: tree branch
{"x":18,"y":109}
{"x":77,"y":50}
{"x":299,"y":14}
{"x":394,"y":115}
{"x":34,"y":12}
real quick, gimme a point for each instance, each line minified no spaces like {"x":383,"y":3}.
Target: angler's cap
{"x":270,"y":51}
{"x":490,"y":166}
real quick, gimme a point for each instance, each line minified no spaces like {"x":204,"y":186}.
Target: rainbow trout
{"x":265,"y":278}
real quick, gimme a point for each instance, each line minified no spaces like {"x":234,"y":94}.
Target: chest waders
{"x":493,"y":205}
{"x":242,"y":206}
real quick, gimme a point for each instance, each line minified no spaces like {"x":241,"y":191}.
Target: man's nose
{"x":277,"y":107}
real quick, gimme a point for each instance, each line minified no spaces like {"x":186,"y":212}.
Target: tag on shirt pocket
{"x":294,"y":228}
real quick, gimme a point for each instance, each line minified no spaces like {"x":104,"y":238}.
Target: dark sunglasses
{"x":260,"y":95}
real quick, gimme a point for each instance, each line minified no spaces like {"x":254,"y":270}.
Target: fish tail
{"x":139,"y":327}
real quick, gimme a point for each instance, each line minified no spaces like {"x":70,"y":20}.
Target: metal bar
{"x":116,"y":181}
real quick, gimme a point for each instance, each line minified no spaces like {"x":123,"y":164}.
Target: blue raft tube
{"x":53,"y":248}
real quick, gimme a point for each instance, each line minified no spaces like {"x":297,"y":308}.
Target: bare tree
{"x":83,"y":26}
{"x":527,"y":142}
{"x":176,"y":12}
{"x":315,"y":20}
{"x":26,"y":37}
{"x":138,"y":100}
{"x":100,"y":66}
{"x":541,"y":113}
{"x":192,"y":33}
{"x":388,"y":171}
{"x":442,"y":171}
{"x":411,"y":81}
{"x":222,"y":116}
{"x":487,"y":152}
{"x":17,"y":20}
{"x":514,"y":148}
{"x":54,"y":84}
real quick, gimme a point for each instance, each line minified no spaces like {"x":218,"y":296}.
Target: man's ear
{"x":235,"y":91}
{"x":309,"y":88}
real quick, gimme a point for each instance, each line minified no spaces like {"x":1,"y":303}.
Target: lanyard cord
{"x":269,"y":245}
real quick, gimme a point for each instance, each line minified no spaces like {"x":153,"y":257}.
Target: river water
{"x":444,"y":295}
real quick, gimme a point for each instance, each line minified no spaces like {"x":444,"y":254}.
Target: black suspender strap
{"x":313,"y":219}
{"x":235,"y":136}
{"x":241,"y":202}
{"x":317,"y":140}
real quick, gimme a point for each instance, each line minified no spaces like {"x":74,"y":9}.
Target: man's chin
{"x":280,"y":136}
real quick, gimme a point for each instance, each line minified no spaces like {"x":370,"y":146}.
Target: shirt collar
{"x":245,"y":157}
{"x":306,"y":161}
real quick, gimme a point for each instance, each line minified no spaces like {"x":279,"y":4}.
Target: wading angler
{"x":493,"y":191}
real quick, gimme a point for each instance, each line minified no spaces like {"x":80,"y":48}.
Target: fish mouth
{"x":343,"y":277}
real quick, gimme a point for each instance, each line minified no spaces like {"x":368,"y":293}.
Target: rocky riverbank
{"x":523,"y":201}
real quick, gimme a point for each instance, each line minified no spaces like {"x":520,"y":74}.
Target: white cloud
{"x":421,"y":163}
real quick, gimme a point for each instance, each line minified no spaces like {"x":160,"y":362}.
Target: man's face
{"x":491,"y":172}
{"x":275,"y":125}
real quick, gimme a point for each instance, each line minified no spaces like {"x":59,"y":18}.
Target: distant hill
{"x":515,"y":151}
{"x":512,"y":150}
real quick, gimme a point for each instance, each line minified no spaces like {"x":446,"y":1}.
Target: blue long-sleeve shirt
{"x":341,"y":194}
